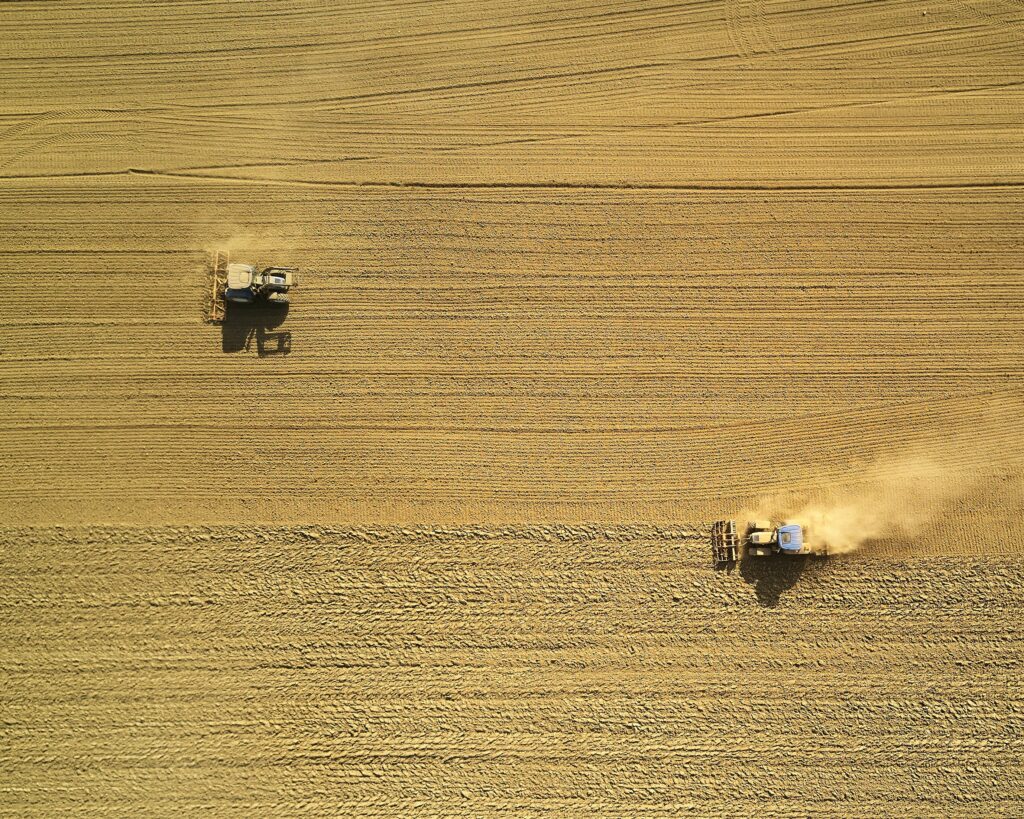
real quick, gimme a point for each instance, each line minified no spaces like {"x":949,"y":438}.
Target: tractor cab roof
{"x":240,"y":276}
{"x":791,"y":537}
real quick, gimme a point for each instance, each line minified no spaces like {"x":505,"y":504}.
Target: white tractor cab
{"x":765,"y":538}
{"x":246,"y":285}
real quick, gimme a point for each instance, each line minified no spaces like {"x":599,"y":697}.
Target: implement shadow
{"x":245,"y":322}
{"x":773,"y":575}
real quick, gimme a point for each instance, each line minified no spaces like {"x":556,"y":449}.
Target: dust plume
{"x":892,"y":498}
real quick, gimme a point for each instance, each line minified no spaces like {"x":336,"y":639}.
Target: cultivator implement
{"x":725,"y":543}
{"x":218,"y":305}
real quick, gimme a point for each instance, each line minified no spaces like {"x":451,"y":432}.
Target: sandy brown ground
{"x":546,"y":671}
{"x":630,"y":262}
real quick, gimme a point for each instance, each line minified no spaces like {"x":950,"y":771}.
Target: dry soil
{"x":576,"y":279}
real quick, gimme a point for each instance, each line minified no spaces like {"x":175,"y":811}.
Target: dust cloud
{"x":897,"y":497}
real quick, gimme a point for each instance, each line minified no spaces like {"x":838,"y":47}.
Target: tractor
{"x":240,"y":283}
{"x":762,"y":539}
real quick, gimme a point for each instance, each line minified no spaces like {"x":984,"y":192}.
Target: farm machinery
{"x":240,"y":283}
{"x":761,"y":539}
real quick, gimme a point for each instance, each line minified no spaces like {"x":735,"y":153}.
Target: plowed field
{"x":544,"y":671}
{"x":575,"y":280}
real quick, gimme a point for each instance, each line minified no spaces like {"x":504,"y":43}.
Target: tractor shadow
{"x":245,"y":323}
{"x":774,"y":575}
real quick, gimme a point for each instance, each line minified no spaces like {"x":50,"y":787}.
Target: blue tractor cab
{"x":791,"y":538}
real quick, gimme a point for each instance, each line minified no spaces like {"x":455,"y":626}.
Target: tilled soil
{"x":548,"y":670}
